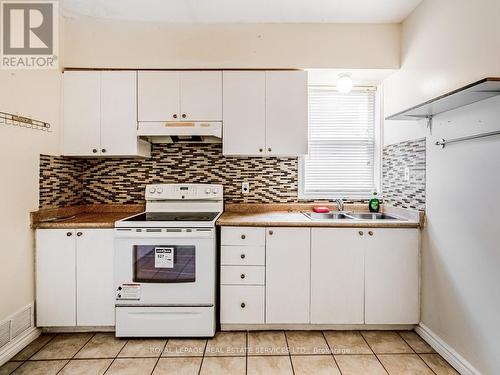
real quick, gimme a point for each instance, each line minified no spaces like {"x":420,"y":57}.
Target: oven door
{"x":165,"y":267}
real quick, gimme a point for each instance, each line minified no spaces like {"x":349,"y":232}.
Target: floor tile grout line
{"x":289,"y":354}
{"x":203,"y":356}
{"x":43,"y":346}
{"x":78,"y":351}
{"x":406,"y":342}
{"x":331,"y":351}
{"x":159,"y":356}
{"x":375,"y":354}
{"x":420,"y":356}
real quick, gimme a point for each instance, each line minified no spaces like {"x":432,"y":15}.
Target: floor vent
{"x":4,"y":333}
{"x":21,"y":322}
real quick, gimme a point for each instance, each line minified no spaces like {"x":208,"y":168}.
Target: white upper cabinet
{"x":118,"y":113}
{"x":265,"y":113}
{"x":244,"y":129}
{"x":337,"y":276}
{"x":180,"y":95}
{"x":100,"y":114}
{"x":286,"y":113}
{"x":82,"y":113}
{"x":201,"y":95}
{"x":392,"y":279}
{"x":159,"y":95}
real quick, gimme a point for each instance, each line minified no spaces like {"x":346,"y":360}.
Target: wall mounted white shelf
{"x":472,"y":93}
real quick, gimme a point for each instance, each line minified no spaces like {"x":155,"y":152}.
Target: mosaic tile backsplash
{"x":397,"y":191}
{"x":272,"y":180}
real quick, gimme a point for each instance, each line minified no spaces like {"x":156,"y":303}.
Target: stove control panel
{"x":184,"y":192}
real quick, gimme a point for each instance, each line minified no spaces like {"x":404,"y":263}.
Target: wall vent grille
{"x":4,"y":333}
{"x":21,"y":322}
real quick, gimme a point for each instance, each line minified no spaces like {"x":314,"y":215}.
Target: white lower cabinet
{"x":320,"y":276}
{"x":337,"y":276}
{"x":287,"y":275}
{"x":392,"y":277}
{"x":74,"y":277}
{"x":242,"y":304}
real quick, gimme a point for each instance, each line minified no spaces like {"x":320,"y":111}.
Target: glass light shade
{"x":344,"y":83}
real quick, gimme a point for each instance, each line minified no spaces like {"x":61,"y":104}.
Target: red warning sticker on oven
{"x":164,"y":257}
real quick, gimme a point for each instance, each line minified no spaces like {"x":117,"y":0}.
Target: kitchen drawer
{"x":243,"y":236}
{"x":243,"y":255}
{"x":242,"y":304}
{"x":243,"y":275}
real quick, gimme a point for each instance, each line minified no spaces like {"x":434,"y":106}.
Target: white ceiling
{"x":244,"y":11}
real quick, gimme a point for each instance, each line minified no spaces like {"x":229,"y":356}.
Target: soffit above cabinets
{"x":243,"y":11}
{"x":472,"y":93}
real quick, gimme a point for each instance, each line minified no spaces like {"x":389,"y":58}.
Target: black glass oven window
{"x":164,"y":264}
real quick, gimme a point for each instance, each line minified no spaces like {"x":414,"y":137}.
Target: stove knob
{"x":159,"y":190}
{"x":207,"y":190}
{"x":215,"y":190}
{"x":152,"y":190}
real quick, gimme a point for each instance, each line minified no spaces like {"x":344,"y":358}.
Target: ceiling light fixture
{"x":344,"y":83}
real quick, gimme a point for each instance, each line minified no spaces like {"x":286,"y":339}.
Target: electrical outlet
{"x":245,"y":187}
{"x":407,"y":174}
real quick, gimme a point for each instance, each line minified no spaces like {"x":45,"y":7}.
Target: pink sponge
{"x":321,"y":209}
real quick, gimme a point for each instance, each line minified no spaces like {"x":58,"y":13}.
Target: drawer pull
{"x":69,"y":234}
{"x":243,"y":305}
{"x":370,"y":233}
{"x":79,"y":234}
{"x":271,"y":232}
{"x":242,"y":276}
{"x":243,"y":236}
{"x":242,"y":256}
{"x":360,"y":232}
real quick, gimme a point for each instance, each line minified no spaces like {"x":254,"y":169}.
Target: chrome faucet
{"x":340,"y":204}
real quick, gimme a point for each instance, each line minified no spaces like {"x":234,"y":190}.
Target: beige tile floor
{"x":233,"y":353}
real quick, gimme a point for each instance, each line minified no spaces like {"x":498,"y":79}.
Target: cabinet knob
{"x":260,"y":149}
{"x":184,"y":115}
{"x":243,"y":236}
{"x":242,"y":256}
{"x":271,"y":232}
{"x":360,"y":232}
{"x":94,"y":150}
{"x":174,"y":115}
{"x":243,"y":305}
{"x":119,"y":295}
{"x":242,"y":276}
{"x":370,"y":233}
{"x":69,"y":234}
{"x":103,"y":150}
{"x":79,"y":234}
{"x":269,"y":149}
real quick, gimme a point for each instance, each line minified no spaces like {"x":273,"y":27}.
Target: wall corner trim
{"x":446,"y":351}
{"x":15,"y":346}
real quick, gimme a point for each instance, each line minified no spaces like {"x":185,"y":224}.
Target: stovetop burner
{"x":173,"y":216}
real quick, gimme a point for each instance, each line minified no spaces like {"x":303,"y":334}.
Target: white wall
{"x":127,"y":44}
{"x":35,"y":94}
{"x":447,"y":44}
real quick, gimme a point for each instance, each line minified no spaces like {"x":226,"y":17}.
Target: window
{"x":343,"y":160}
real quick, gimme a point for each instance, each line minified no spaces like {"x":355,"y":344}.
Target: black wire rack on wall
{"x":23,"y":122}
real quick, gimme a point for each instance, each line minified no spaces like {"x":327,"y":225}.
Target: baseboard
{"x":18,"y":344}
{"x":314,"y":327}
{"x":447,"y":352}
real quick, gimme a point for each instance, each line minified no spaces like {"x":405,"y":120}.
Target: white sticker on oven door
{"x":164,"y":257}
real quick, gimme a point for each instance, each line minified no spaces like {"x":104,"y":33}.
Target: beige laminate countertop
{"x":83,"y":216}
{"x":292,"y":216}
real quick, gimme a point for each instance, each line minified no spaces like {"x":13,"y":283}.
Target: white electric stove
{"x":165,"y":263}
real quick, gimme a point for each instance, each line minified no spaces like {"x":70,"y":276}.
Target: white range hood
{"x":186,"y":132}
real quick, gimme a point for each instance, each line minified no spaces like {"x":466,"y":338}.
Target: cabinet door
{"x":118,"y":113}
{"x":287,"y":275}
{"x":244,"y":113}
{"x":158,"y":96}
{"x":55,"y":278}
{"x":392,"y":277}
{"x":286,"y":113}
{"x":201,"y":95}
{"x":81,"y":113}
{"x":337,"y":276}
{"x":94,"y":277}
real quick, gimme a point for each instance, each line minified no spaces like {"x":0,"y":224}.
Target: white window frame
{"x":347,"y":195}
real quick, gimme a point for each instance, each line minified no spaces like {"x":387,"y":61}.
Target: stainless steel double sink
{"x":350,"y":216}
